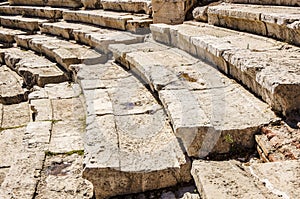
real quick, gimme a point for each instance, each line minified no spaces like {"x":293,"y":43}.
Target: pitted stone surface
{"x":11,"y":91}
{"x":200,"y":101}
{"x":11,"y":112}
{"x":31,"y":11}
{"x":62,"y":51}
{"x":273,"y":21}
{"x":268,"y":2}
{"x":19,"y":22}
{"x":55,"y":3}
{"x":109,"y":19}
{"x":35,"y":70}
{"x":249,"y":62}
{"x":135,"y":6}
{"x":8,"y":35}
{"x":96,"y":37}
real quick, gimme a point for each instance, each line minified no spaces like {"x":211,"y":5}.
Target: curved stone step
{"x":209,"y":112}
{"x":258,"y":63}
{"x":282,"y":23}
{"x":33,"y":11}
{"x":135,"y":6}
{"x":63,"y":52}
{"x":11,"y":87}
{"x":54,"y":3}
{"x":268,"y":2}
{"x":137,"y":23}
{"x":96,"y":37}
{"x":34,"y":69}
{"x":91,"y":4}
{"x":231,"y":179}
{"x":129,"y":146}
{"x":19,"y":22}
{"x":7,"y":35}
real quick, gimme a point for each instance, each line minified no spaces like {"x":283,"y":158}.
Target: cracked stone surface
{"x":204,"y":106}
{"x":8,"y":35}
{"x":20,"y":22}
{"x":274,"y":21}
{"x":257,"y":64}
{"x":55,"y":3}
{"x":135,"y":6}
{"x":267,"y":2}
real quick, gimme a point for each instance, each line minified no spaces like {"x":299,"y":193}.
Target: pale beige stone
{"x":135,"y":6}
{"x":7,"y":35}
{"x":41,"y":110}
{"x":11,"y":90}
{"x":200,"y":13}
{"x":20,"y":22}
{"x":91,"y":4}
{"x":268,"y":2}
{"x":55,"y":3}
{"x":61,"y":178}
{"x":31,"y":11}
{"x":11,"y":112}
{"x":67,"y":136}
{"x":11,"y":144}
{"x":68,"y":109}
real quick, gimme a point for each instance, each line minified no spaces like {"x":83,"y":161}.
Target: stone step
{"x":19,"y":22}
{"x":129,"y":145}
{"x":33,"y":11}
{"x":268,"y":2}
{"x":96,"y":37}
{"x":231,"y":179}
{"x":11,"y":90}
{"x":135,"y":6}
{"x":7,"y":35}
{"x":91,"y":4}
{"x":63,"y":52}
{"x":281,"y":23}
{"x":259,"y":63}
{"x":54,"y":3}
{"x":210,"y":113}
{"x":34,"y":69}
{"x":137,"y":23}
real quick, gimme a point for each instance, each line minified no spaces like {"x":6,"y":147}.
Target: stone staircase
{"x":96,"y":101}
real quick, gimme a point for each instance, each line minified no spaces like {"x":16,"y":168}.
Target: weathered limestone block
{"x":170,"y":11}
{"x":30,"y":11}
{"x":200,"y":13}
{"x":95,"y":37}
{"x":11,"y":90}
{"x":8,"y":35}
{"x":268,"y":2}
{"x":20,"y":22}
{"x":205,"y":107}
{"x":109,"y":19}
{"x":41,"y":110}
{"x":74,"y":107}
{"x":92,"y":4}
{"x":136,"y":6}
{"x":278,"y":22}
{"x":11,"y":112}
{"x":61,"y":178}
{"x":55,"y":3}
{"x":64,"y":52}
{"x":227,"y":179}
{"x":257,"y":63}
{"x":34,"y":69}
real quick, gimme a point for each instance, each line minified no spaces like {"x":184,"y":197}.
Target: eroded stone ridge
{"x":258,"y":63}
{"x":268,"y":2}
{"x":129,"y":146}
{"x":55,"y":3}
{"x":206,"y":108}
{"x":136,"y":6}
{"x":19,"y":22}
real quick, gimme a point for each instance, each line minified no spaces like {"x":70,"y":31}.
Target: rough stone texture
{"x":119,"y":140}
{"x":280,"y":178}
{"x":258,"y":63}
{"x":205,"y":107}
{"x":11,"y":91}
{"x":227,"y":179}
{"x":35,"y":70}
{"x":19,"y":22}
{"x":200,"y":13}
{"x":61,"y":178}
{"x":55,"y":3}
{"x":96,"y":37}
{"x":91,"y":4}
{"x":8,"y":35}
{"x":278,"y":22}
{"x":30,"y":11}
{"x":11,"y":112}
{"x":63,"y":52}
{"x":279,"y":143}
{"x":118,"y":20}
{"x":136,"y":6}
{"x":268,"y":2}
{"x":171,"y":11}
